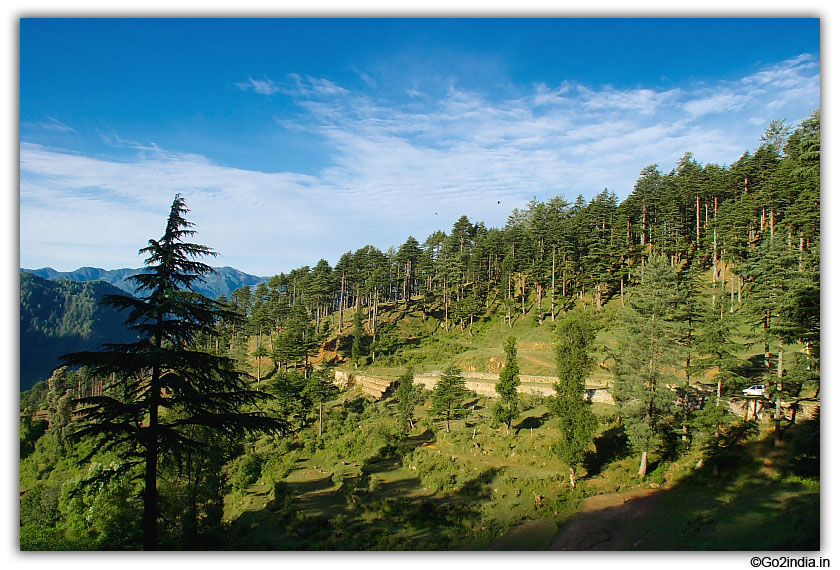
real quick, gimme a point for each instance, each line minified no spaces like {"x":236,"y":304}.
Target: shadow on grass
{"x":750,"y":505}
{"x":378,"y":509}
{"x":357,"y":515}
{"x":609,"y":447}
{"x":533,"y":422}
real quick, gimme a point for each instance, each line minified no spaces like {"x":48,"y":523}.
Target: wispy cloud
{"x":51,"y":124}
{"x":259,"y":86}
{"x":393,"y":163}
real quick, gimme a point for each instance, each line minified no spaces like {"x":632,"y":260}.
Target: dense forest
{"x":227,"y":425}
{"x":754,"y":225}
{"x":57,"y":317}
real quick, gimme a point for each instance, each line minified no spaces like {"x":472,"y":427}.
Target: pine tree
{"x":718,"y":348}
{"x":358,"y":338}
{"x":647,"y":355}
{"x":449,"y":395}
{"x":320,"y":388}
{"x":576,"y":419}
{"x":259,"y":353}
{"x":506,"y":408}
{"x":164,"y":385}
{"x":770,"y":272}
{"x":408,"y":396}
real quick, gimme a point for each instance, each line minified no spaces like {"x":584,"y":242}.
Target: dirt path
{"x":605,"y":522}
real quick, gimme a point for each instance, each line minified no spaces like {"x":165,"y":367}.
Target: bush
{"x":658,"y":474}
{"x":246,"y":470}
{"x":39,"y":506}
{"x":35,"y":537}
{"x":102,"y":509}
{"x":436,"y":471}
{"x":276,"y":466}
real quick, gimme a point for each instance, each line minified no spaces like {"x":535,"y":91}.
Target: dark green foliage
{"x":60,"y":317}
{"x":449,"y":395}
{"x":39,"y":506}
{"x":714,"y":342}
{"x":709,"y":422}
{"x":192,"y":493}
{"x":805,"y":443}
{"x":297,"y":341}
{"x":30,"y":431}
{"x":577,"y":422}
{"x":102,"y":508}
{"x":574,"y":362}
{"x":319,"y":389}
{"x":725,"y":449}
{"x":246,"y":470}
{"x":35,"y":398}
{"x":164,"y":385}
{"x":357,"y":350}
{"x":647,"y":355}
{"x":408,"y":397}
{"x":506,"y":408}
{"x":291,"y":397}
{"x":60,"y":404}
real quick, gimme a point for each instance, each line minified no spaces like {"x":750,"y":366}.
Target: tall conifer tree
{"x":449,"y":395}
{"x":506,"y":408}
{"x":577,"y":421}
{"x":165,"y":385}
{"x":647,"y":355}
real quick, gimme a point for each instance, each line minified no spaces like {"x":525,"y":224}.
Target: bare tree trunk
{"x":553,"y":274}
{"x":777,"y":435}
{"x":732,"y":294}
{"x":698,"y":220}
{"x":643,"y":464}
{"x":622,"y":289}
{"x":564,"y":275}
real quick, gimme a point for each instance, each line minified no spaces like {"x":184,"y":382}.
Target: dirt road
{"x":605,"y":522}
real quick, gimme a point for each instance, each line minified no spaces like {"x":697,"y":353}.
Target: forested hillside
{"x":441,"y":395}
{"x":744,"y":236}
{"x":63,"y":316}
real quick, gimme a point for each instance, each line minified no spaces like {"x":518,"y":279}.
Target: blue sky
{"x":293,"y":140}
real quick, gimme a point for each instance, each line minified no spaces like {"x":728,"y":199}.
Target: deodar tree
{"x":647,"y":355}
{"x":164,"y":385}
{"x":319,"y":389}
{"x":506,"y":408}
{"x":408,"y":396}
{"x":449,"y":395}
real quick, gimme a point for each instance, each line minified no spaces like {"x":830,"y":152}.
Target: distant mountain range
{"x":57,"y":317}
{"x":224,"y":282}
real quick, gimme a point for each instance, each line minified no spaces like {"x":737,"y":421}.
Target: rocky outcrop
{"x":482,"y":383}
{"x":374,"y":386}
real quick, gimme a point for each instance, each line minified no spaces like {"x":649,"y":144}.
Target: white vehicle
{"x":755,"y":390}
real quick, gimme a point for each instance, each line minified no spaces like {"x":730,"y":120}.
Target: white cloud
{"x":393,"y":165}
{"x":259,"y":86}
{"x":51,"y":124}
{"x":717,"y":103}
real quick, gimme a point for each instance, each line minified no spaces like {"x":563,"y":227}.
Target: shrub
{"x":101,"y":508}
{"x":276,"y":467}
{"x":246,"y":470}
{"x":35,"y":537}
{"x":39,"y":506}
